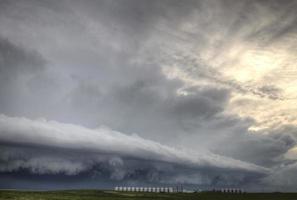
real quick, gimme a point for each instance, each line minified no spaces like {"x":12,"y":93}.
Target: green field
{"x":110,"y":195}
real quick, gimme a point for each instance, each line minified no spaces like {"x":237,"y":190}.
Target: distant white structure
{"x":231,"y":190}
{"x":144,"y":189}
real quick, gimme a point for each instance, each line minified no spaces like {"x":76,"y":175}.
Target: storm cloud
{"x":48,"y":147}
{"x":160,"y":92}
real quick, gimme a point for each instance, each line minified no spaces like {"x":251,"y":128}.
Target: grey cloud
{"x":26,"y":83}
{"x":273,"y":143}
{"x":100,"y":62}
{"x":264,"y":150}
{"x":16,"y":61}
{"x":205,"y":103}
{"x":146,"y":103}
{"x":49,"y":147}
{"x":196,"y":68}
{"x":271,"y":32}
{"x":25,"y":131}
{"x":283,"y":178}
{"x":17,"y":67}
{"x":271,"y":91}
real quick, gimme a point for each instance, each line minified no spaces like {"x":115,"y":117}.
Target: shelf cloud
{"x":38,"y":135}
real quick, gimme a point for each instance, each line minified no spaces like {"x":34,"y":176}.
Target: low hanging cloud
{"x":45,"y":147}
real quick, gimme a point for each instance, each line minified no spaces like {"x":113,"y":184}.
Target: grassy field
{"x":110,"y":195}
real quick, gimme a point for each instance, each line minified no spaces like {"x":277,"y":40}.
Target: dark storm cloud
{"x":49,"y":147}
{"x":264,"y":150}
{"x":41,"y":132}
{"x":115,"y":168}
{"x":101,"y":63}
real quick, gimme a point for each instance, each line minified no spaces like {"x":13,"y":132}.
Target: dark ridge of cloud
{"x":48,"y":147}
{"x":110,"y":166}
{"x":119,"y":170}
{"x":102,"y":140}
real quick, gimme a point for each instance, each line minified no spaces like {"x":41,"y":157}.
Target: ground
{"x":110,"y":195}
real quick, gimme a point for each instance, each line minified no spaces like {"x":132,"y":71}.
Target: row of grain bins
{"x":229,"y":190}
{"x":145,"y":189}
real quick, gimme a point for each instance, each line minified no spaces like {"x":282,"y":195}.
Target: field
{"x":110,"y":195}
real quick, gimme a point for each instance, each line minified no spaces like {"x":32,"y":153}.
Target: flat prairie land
{"x":111,"y":195}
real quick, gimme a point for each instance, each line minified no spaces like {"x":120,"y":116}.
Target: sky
{"x":97,"y":94}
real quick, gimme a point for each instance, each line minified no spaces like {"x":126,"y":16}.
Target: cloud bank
{"x":23,"y":139}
